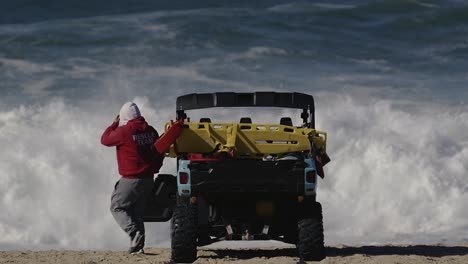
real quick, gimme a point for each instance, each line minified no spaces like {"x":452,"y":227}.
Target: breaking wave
{"x":397,"y":175}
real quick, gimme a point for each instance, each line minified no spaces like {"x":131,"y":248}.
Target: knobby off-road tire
{"x":310,"y":242}
{"x":184,"y":234}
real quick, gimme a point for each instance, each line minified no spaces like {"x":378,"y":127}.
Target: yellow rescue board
{"x":246,"y":140}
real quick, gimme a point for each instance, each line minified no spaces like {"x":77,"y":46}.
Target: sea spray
{"x":56,"y":178}
{"x":398,"y":175}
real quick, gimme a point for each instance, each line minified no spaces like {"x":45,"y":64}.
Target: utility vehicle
{"x":243,"y":180}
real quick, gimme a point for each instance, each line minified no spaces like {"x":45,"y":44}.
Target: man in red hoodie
{"x":138,"y":158}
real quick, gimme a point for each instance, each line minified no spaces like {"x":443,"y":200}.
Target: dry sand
{"x":336,"y":254}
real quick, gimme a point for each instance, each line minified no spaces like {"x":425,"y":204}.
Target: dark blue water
{"x":389,"y":79}
{"x":407,"y":48}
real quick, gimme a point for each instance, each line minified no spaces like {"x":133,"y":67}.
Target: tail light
{"x":310,"y":177}
{"x":183,"y":178}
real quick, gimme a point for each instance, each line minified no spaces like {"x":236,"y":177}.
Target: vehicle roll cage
{"x":257,"y":99}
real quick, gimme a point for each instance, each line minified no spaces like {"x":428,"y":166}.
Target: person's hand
{"x":117,"y":119}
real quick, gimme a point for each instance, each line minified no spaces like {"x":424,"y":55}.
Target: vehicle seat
{"x":205,"y":120}
{"x":286,"y":121}
{"x":245,"y":120}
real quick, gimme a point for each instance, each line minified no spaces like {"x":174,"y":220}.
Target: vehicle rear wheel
{"x":184,"y":233}
{"x":310,"y":242}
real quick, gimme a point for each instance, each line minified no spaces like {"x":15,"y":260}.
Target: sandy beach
{"x":336,"y":254}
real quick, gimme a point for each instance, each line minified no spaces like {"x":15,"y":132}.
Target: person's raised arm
{"x":169,"y":137}
{"x":111,"y":137}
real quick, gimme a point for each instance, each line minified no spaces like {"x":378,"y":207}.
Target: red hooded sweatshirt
{"x":134,"y":143}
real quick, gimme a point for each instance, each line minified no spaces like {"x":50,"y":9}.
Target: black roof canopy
{"x":256,"y":99}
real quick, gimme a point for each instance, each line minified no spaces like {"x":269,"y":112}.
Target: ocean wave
{"x":305,"y":7}
{"x":35,"y":11}
{"x":25,"y":66}
{"x":400,"y":16}
{"x":395,"y":7}
{"x":257,"y":52}
{"x":396,"y":174}
{"x":55,"y":179}
{"x":365,"y":8}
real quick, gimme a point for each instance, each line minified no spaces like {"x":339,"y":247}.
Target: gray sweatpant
{"x":128,"y":203}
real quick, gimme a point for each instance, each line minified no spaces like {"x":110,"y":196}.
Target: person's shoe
{"x":141,"y":251}
{"x":137,"y":243}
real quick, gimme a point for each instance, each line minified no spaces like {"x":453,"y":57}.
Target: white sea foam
{"x":397,"y":175}
{"x":306,"y":7}
{"x":56,"y":178}
{"x":381,"y":65}
{"x":24,"y":66}
{"x":256,"y":52}
{"x":38,"y":87}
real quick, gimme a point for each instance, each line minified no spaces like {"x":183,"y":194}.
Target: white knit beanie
{"x":128,"y":112}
